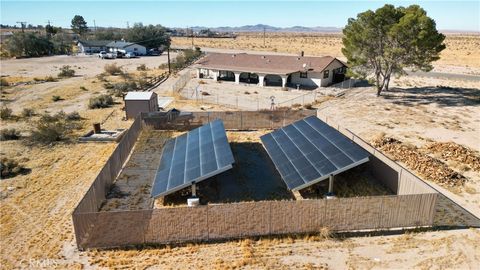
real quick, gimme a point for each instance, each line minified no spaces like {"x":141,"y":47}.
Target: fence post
{"x":241,"y":120}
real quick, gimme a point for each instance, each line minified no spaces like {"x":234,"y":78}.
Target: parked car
{"x":154,"y":52}
{"x":102,"y":54}
{"x":105,"y":55}
{"x":130,"y":55}
{"x":120,"y":54}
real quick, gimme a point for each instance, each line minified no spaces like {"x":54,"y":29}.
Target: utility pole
{"x":94,"y":26}
{"x":191,"y":29}
{"x":264,"y":36}
{"x":23,"y":24}
{"x":168,"y":56}
{"x":46,"y":32}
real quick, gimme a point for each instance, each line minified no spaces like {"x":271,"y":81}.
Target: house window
{"x":326,"y":74}
{"x":303,"y":75}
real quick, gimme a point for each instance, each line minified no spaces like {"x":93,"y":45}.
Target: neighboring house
{"x":138,"y":102}
{"x":126,"y":47}
{"x":92,"y":46}
{"x":272,"y":70}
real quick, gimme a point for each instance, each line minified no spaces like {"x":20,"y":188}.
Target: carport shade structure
{"x":309,"y":151}
{"x":192,"y":157}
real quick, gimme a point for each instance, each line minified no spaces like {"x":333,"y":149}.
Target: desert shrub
{"x":202,"y":82}
{"x":66,"y":72}
{"x":186,"y":58}
{"x":308,"y":106}
{"x":108,"y":85}
{"x":113,"y":69}
{"x":205,"y":94}
{"x":102,"y":101}
{"x":120,"y":89}
{"x":56,"y":98}
{"x":9,"y":167}
{"x":73,"y":116}
{"x":50,"y":79}
{"x":37,"y":79}
{"x":27,"y":112}
{"x":53,"y":128}
{"x":83,"y":88}
{"x":9,"y":134}
{"x":101,"y":77}
{"x":143,"y":83}
{"x":5,"y":113}
{"x":142,"y":67}
{"x":246,"y":93}
{"x":4,"y":82}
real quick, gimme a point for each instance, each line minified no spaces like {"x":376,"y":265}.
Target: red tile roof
{"x":270,"y":64}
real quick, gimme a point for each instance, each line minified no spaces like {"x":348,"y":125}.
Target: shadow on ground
{"x":449,"y":215}
{"x":440,"y":95}
{"x":252,"y":178}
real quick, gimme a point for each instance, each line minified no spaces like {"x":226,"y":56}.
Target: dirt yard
{"x":36,"y":229}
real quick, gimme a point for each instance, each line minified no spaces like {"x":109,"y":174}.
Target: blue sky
{"x":449,"y":15}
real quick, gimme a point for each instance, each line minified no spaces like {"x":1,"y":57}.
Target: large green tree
{"x":388,"y":40}
{"x":150,"y":36}
{"x":79,"y":25}
{"x":28,"y":44}
{"x":109,"y":34}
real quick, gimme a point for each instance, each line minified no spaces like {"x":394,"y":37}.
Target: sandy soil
{"x":35,"y":209}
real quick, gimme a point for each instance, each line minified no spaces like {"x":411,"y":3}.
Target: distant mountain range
{"x":269,"y":28}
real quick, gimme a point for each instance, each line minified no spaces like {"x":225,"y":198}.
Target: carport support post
{"x":330,"y":183}
{"x":194,"y":190}
{"x":261,"y":78}
{"x":237,"y":77}
{"x":284,"y":81}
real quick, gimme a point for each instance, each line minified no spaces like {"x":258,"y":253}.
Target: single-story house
{"x":272,"y":70}
{"x":92,"y":46}
{"x":126,"y":47}
{"x":138,"y":102}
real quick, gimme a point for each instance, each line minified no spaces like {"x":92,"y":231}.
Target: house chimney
{"x":302,"y":53}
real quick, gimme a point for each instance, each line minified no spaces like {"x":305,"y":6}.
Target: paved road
{"x":453,"y":76}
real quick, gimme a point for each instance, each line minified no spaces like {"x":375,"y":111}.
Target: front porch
{"x":260,"y":79}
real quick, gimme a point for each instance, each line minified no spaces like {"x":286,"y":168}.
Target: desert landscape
{"x":422,"y":122}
